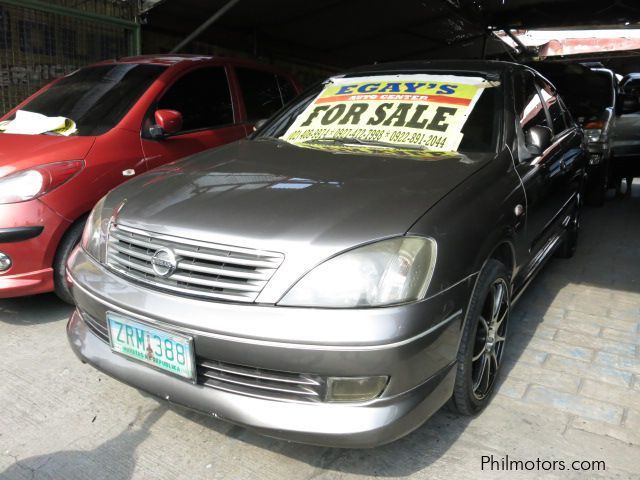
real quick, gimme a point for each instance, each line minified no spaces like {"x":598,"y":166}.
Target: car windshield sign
{"x":426,"y":112}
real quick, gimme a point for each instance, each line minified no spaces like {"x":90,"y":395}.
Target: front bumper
{"x":29,"y":235}
{"x":599,"y":154}
{"x":415,"y":345}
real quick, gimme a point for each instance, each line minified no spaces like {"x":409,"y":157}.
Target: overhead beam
{"x":198,"y":31}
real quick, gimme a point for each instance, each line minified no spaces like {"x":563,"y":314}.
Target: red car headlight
{"x":33,"y":183}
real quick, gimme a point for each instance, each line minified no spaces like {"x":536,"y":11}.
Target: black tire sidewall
{"x":463,"y":397}
{"x":69,"y":241}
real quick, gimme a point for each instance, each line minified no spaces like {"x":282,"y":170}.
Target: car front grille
{"x":254,"y":382}
{"x":202,"y":269}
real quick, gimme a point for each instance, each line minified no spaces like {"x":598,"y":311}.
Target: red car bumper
{"x":29,"y":235}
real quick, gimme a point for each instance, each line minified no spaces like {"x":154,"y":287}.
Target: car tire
{"x":483,"y":340}
{"x":569,"y":243}
{"x":67,"y":244}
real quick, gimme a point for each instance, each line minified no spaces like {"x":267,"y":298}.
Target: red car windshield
{"x":96,"y":98}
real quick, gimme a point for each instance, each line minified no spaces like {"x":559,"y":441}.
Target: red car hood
{"x":19,"y":152}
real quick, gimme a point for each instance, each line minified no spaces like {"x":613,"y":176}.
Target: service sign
{"x":425,"y":111}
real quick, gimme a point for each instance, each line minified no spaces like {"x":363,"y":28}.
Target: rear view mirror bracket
{"x":156,"y":132}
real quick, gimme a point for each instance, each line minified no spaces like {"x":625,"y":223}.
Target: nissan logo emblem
{"x":164,"y":262}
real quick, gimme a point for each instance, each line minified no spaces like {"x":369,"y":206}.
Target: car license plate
{"x":161,"y":349}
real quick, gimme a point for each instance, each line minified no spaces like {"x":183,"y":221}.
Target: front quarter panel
{"x":112,"y":153}
{"x":472,"y":220}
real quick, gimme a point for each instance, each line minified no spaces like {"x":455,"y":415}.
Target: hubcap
{"x":491,"y":335}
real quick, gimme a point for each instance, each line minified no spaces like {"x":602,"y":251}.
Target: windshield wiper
{"x":369,"y":143}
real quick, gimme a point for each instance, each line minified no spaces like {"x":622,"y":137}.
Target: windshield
{"x":423,"y":112}
{"x":95,"y":98}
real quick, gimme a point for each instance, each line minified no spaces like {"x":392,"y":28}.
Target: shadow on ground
{"x":33,"y":310}
{"x":115,"y":457}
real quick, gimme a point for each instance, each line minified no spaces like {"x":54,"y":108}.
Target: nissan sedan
{"x":341,"y":275}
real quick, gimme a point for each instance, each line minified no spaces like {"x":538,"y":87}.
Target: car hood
{"x":308,"y":204}
{"x":18,"y":152}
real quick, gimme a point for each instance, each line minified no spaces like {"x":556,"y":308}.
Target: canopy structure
{"x":338,"y":33}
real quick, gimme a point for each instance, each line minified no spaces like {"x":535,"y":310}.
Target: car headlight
{"x":593,"y":134}
{"x":388,"y":272}
{"x":33,"y":183}
{"x":94,"y":236}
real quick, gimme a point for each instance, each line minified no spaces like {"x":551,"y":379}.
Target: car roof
{"x":167,"y":59}
{"x":170,"y":60}
{"x":488,"y":66}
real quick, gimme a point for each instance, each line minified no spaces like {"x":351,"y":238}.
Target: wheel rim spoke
{"x":484,"y":325}
{"x":490,"y":339}
{"x":494,"y":357}
{"x":502,"y":318}
{"x":487,"y":381}
{"x":483,"y":367}
{"x":498,"y":296}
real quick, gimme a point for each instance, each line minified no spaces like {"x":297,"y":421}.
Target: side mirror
{"x":538,"y":139}
{"x":629,"y":104}
{"x":168,"y":122}
{"x":259,"y":124}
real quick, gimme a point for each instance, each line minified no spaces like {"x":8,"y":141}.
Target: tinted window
{"x":202,"y":97}
{"x":529,"y":105}
{"x":96,"y":98}
{"x":261,"y":92}
{"x":482,"y":127}
{"x":555,"y":109}
{"x":287,"y":90}
{"x":632,"y":86}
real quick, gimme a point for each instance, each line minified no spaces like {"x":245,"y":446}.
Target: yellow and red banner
{"x":406,"y":110}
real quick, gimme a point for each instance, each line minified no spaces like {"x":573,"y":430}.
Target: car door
{"x":626,"y":133}
{"x":262,"y":93}
{"x":204,"y":99}
{"x":549,"y":179}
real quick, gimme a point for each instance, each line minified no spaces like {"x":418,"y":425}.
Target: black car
{"x":339,"y":276}
{"x":591,"y":95}
{"x":626,"y":134}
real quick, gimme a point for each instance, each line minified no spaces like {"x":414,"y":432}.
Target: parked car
{"x":339,"y":276}
{"x":626,"y":133}
{"x":131,"y":115}
{"x":591,"y":95}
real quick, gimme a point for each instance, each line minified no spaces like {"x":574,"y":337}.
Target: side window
{"x":287,"y":90}
{"x":202,"y":97}
{"x":529,"y":107}
{"x":632,"y":87}
{"x":555,"y":109}
{"x":261,"y":92}
{"x":568,"y":118}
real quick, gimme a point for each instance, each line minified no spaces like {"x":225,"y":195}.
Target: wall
{"x":37,"y":46}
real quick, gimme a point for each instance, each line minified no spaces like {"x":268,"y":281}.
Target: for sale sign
{"x":427,"y":111}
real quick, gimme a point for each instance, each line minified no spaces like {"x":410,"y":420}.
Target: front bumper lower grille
{"x":240,"y":379}
{"x":201,"y":269}
{"x":254,"y":382}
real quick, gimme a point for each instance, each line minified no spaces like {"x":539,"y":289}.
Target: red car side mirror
{"x":170,"y":121}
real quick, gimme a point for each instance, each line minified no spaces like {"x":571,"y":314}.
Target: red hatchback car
{"x":131,"y":115}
